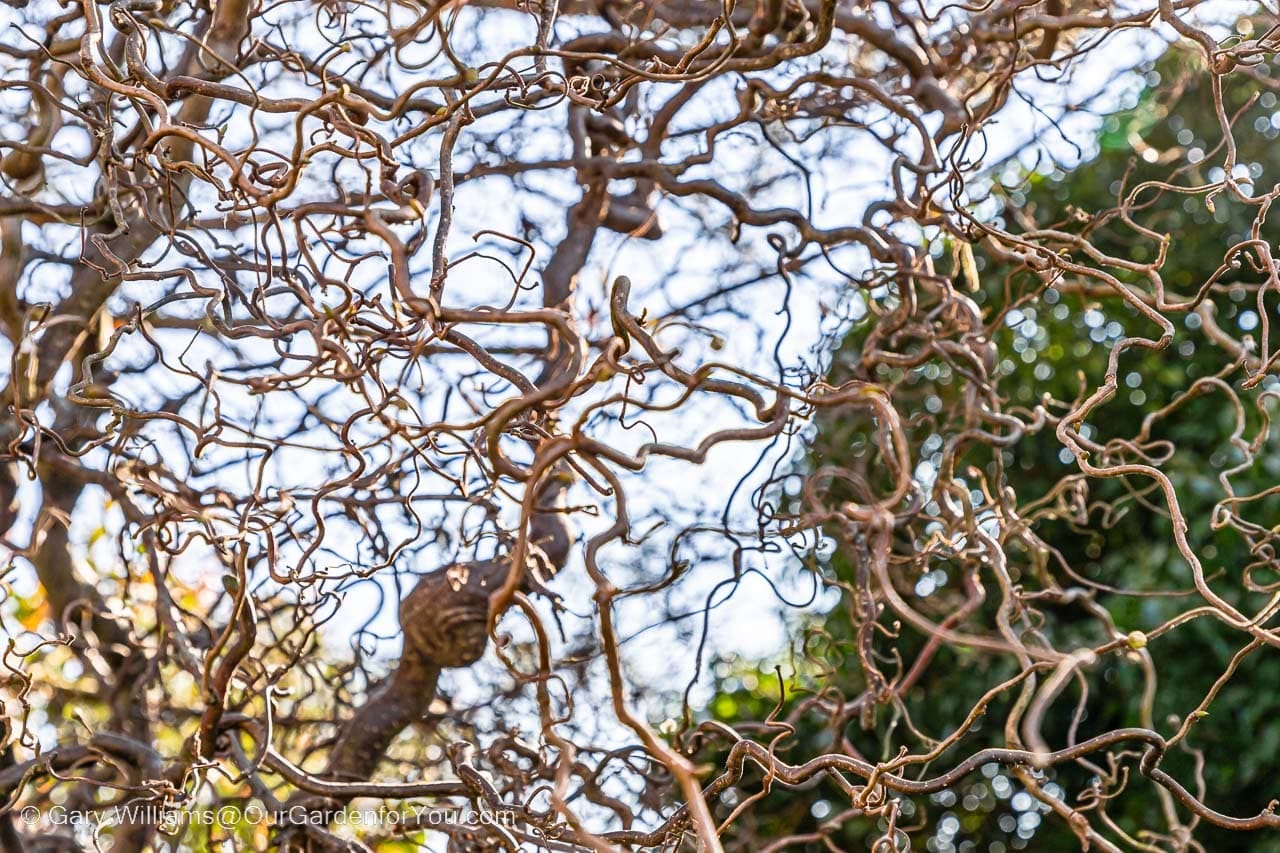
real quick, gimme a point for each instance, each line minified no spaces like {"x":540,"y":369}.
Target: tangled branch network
{"x":403,"y":401}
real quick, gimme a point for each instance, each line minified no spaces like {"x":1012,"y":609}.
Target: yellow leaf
{"x":31,"y":617}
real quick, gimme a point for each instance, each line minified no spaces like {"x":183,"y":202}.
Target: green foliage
{"x":1053,"y":344}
